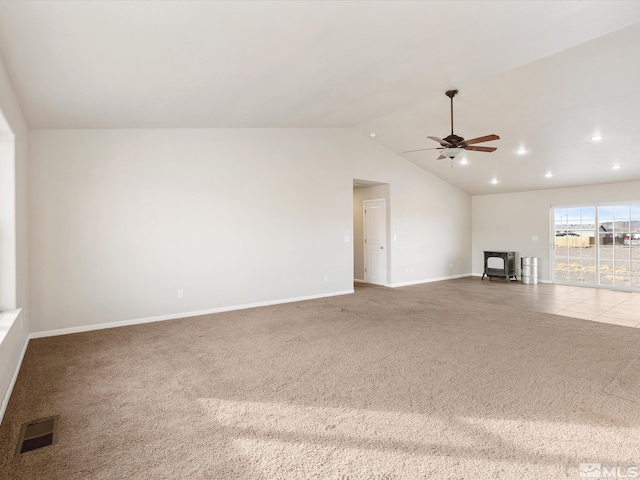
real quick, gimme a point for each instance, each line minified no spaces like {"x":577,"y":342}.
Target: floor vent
{"x":38,"y":434}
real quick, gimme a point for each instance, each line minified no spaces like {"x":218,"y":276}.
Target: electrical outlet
{"x":395,"y":238}
{"x":534,"y":238}
{"x":180,"y":293}
{"x":346,"y":238}
{"x":451,"y":265}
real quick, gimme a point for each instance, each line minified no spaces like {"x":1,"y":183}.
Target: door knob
{"x":381,"y":247}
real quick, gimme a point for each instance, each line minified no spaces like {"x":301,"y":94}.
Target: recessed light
{"x":616,"y":167}
{"x":464,"y":161}
{"x":548,"y":175}
{"x":596,"y":138}
{"x":494,"y":181}
{"x":521,"y":151}
{"x":372,"y":134}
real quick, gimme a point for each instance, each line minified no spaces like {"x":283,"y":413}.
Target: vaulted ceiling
{"x":545,"y":76}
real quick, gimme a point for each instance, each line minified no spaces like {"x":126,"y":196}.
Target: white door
{"x":375,"y":241}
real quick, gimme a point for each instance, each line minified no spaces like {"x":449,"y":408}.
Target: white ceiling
{"x":545,"y":75}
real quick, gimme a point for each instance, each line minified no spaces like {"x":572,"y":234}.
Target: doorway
{"x":371,"y":230}
{"x":8,"y":259}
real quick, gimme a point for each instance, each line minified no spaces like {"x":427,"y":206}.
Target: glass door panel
{"x":561,"y":260}
{"x":605,"y":246}
{"x":634,"y":247}
{"x":575,"y":245}
{"x":621,"y":254}
{"x":588,"y":245}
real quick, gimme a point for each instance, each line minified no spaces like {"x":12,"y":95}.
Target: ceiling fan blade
{"x":486,"y":138}
{"x":482,"y":149}
{"x":444,"y":143}
{"x":441,"y":157}
{"x":423,"y":149}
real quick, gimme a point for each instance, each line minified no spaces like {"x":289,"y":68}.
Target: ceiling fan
{"x":453,"y":145}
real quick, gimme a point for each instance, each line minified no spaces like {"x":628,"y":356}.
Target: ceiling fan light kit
{"x":451,"y":152}
{"x":453,"y":145}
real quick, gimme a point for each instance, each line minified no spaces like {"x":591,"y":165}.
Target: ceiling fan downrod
{"x":451,"y":94}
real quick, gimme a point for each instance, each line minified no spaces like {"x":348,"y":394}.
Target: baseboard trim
{"x":174,"y":316}
{"x":359,"y":280}
{"x":428,"y":280}
{"x":7,"y":395}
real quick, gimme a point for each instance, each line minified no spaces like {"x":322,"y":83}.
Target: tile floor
{"x":606,"y":306}
{"x":595,"y":304}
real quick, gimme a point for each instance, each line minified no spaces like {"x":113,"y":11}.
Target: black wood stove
{"x":507,"y":270}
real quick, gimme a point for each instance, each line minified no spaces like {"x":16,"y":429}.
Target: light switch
{"x":534,"y":238}
{"x":346,"y":238}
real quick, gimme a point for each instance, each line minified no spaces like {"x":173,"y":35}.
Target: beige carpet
{"x":411,"y":383}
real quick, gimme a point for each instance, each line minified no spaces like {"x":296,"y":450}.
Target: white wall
{"x":14,"y":280}
{"x":122,"y":219}
{"x":359,"y":196}
{"x":509,"y":221}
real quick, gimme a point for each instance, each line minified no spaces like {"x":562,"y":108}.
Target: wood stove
{"x":500,"y":264}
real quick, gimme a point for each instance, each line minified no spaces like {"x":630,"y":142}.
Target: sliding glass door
{"x":598,"y":246}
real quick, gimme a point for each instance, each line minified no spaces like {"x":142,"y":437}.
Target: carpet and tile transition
{"x":418,"y":382}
